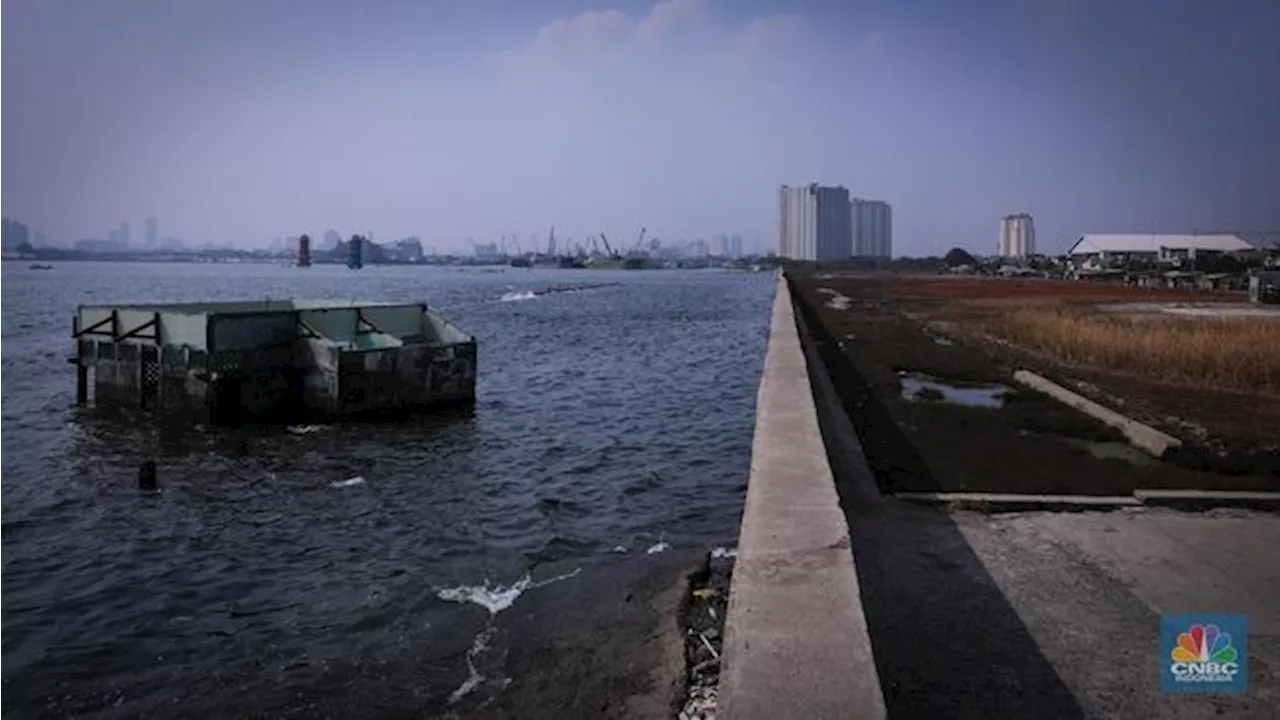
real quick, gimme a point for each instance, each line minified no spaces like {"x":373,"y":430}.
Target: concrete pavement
{"x":1056,"y":615}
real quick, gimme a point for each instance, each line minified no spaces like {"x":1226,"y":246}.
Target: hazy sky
{"x":244,"y":120}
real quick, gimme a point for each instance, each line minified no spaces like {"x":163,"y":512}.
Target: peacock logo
{"x":1204,"y":652}
{"x":1204,"y":644}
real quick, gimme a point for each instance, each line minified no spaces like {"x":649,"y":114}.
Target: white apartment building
{"x":872,"y":223}
{"x":814,"y":223}
{"x":1017,"y":236}
{"x":718,"y":247}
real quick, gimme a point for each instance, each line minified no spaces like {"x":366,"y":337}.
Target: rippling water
{"x":618,"y":416}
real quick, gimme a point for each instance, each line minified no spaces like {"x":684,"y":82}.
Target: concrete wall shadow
{"x":946,"y":640}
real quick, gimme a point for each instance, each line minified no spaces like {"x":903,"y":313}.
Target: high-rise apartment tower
{"x":814,"y":223}
{"x":872,"y":222}
{"x":1017,"y":236}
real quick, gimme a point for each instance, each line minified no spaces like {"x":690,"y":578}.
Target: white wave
{"x":349,"y":482}
{"x":654,"y":549}
{"x":302,"y":429}
{"x":557,"y":578}
{"x":720,"y":552}
{"x":618,"y":549}
{"x":516,"y":296}
{"x":474,"y":678}
{"x":496,"y":598}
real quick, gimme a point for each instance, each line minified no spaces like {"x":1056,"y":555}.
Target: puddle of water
{"x":921,"y":387}
{"x":1115,"y":451}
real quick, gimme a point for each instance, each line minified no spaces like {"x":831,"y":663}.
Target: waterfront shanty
{"x":272,"y":359}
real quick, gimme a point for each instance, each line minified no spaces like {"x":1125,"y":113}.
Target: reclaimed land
{"x":1212,"y":382}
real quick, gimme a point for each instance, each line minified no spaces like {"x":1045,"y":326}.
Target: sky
{"x":239,"y":121}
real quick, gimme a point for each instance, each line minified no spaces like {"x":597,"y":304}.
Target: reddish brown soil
{"x":1033,"y":444}
{"x":952,"y":288}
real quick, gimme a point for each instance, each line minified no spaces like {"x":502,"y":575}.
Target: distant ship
{"x":355,"y":253}
{"x":39,"y":266}
{"x":605,"y":263}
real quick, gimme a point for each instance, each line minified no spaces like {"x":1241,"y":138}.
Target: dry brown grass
{"x":1237,"y":353}
{"x":994,"y":289}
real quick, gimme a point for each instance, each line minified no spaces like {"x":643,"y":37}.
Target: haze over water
{"x":245,"y":120}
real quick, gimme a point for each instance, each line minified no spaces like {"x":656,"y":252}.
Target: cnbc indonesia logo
{"x":1204,"y":654}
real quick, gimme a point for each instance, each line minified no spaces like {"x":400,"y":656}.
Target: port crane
{"x":607,"y":248}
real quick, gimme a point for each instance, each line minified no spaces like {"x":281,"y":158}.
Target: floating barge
{"x":272,"y":360}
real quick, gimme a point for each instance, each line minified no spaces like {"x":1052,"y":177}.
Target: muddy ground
{"x":592,"y":638}
{"x":1032,"y":444}
{"x":606,"y":643}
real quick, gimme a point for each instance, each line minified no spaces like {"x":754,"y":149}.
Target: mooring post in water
{"x":147,"y":480}
{"x":82,"y":384}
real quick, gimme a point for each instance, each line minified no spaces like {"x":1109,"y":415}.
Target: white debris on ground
{"x":701,"y":705}
{"x":837,"y":301}
{"x":703,"y":623}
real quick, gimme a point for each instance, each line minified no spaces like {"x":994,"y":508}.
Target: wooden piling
{"x":82,"y":384}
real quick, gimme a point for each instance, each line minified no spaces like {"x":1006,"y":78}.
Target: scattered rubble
{"x":702,"y":619}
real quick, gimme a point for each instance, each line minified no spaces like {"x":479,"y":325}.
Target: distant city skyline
{"x":236,"y":122}
{"x":120,"y":238}
{"x":16,"y":233}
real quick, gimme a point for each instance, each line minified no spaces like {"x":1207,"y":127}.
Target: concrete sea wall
{"x":796,"y":640}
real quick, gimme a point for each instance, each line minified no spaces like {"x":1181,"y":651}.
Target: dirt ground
{"x":878,"y":327}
